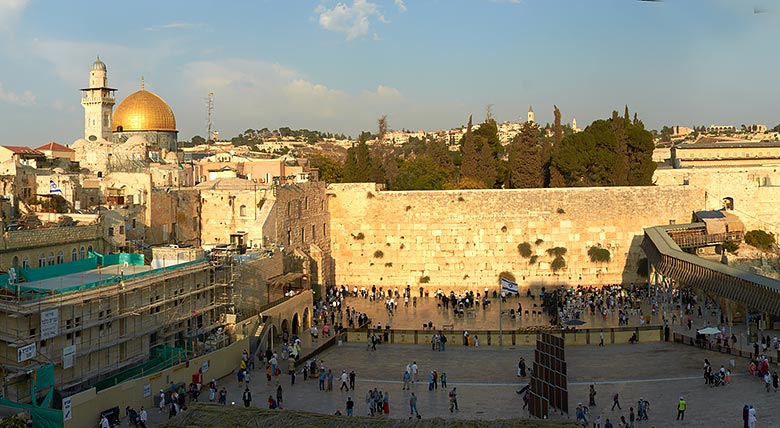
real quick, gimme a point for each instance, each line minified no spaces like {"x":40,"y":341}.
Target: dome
{"x":143,"y":111}
{"x":136,"y":139}
{"x":99,"y":65}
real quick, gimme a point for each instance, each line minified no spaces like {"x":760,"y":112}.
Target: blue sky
{"x":427,"y":64}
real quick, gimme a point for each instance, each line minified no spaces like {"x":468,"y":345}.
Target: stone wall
{"x":466,"y":238}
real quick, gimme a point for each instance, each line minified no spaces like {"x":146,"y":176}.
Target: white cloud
{"x":176,"y":25}
{"x":24,"y":99}
{"x":354,"y":20}
{"x":10,"y":11}
{"x":400,"y":5}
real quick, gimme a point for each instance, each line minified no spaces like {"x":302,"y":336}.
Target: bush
{"x":378,"y":254}
{"x":506,"y":275}
{"x":598,"y":254}
{"x":425,"y":279}
{"x":389,"y":264}
{"x":556,"y":251}
{"x":561,"y":211}
{"x":730,"y":246}
{"x":760,"y":239}
{"x":533,"y":259}
{"x":524,"y":249}
{"x":359,"y":236}
{"x":539,"y":241}
{"x":558,"y":263}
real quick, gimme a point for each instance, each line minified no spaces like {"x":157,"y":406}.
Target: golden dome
{"x":143,"y":111}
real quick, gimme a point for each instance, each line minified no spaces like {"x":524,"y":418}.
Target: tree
{"x":468,"y":147}
{"x":526,"y":164}
{"x":420,"y":173}
{"x":381,"y":128}
{"x":357,"y":167}
{"x":330,"y":170}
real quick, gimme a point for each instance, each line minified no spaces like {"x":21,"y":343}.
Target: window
{"x":110,"y":231}
{"x":26,"y":262}
{"x":165,"y":232}
{"x":60,"y":258}
{"x":82,"y":254}
{"x":42,"y":260}
{"x":133,"y":223}
{"x":306,"y":203}
{"x":289,"y":237}
{"x":303,"y":236}
{"x":89,"y":249}
{"x":121,"y":230}
{"x":312,"y":232}
{"x":242,"y":211}
{"x":51,"y":258}
{"x":74,"y":255}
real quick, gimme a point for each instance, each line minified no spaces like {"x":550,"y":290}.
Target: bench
{"x":449,"y":327}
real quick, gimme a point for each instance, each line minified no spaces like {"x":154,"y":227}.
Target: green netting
{"x":41,"y":417}
{"x":162,"y":358}
{"x":122,"y":258}
{"x":44,"y":377}
{"x":53,"y":271}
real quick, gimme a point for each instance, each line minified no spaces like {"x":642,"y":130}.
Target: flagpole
{"x":500,"y":318}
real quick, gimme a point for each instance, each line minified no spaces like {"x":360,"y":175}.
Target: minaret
{"x":574,"y":124}
{"x":98,"y":102}
{"x":530,"y":114}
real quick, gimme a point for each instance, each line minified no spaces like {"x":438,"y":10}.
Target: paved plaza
{"x":486,"y":381}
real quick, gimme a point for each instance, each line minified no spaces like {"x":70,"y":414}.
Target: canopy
{"x":709,"y":330}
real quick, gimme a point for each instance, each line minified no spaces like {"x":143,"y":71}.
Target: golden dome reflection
{"x":143,"y":111}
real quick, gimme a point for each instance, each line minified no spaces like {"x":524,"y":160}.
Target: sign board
{"x":26,"y":353}
{"x":68,"y":354}
{"x":147,"y":390}
{"x":67,"y":409}
{"x":204,"y":367}
{"x":50,"y":324}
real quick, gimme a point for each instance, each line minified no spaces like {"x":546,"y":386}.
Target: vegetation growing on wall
{"x":359,"y":236}
{"x":556,"y":251}
{"x":533,"y":259}
{"x":425,"y":279}
{"x":378,"y":254}
{"x":539,"y":242}
{"x":598,"y":254}
{"x":730,"y":246}
{"x":558,"y":263}
{"x":506,"y":275}
{"x":760,"y":239}
{"x":524,"y":248}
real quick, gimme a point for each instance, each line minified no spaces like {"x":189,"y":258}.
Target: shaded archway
{"x":296,"y":324}
{"x":306,"y":322}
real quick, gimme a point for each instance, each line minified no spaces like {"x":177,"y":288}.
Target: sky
{"x":427,"y":64}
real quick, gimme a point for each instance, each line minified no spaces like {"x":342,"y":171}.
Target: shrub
{"x":524,"y":249}
{"x":408,"y":207}
{"x":556,"y":251}
{"x":506,"y":275}
{"x":425,"y":279}
{"x":378,"y":254}
{"x":539,"y":241}
{"x":389,"y":264}
{"x":533,"y":259}
{"x":760,"y":239}
{"x":402,"y":246}
{"x":558,"y":263}
{"x":598,"y":254}
{"x":359,"y":236}
{"x":460,"y":199}
{"x":730,"y":246}
{"x":369,"y":195}
{"x":504,"y":229}
{"x":561,"y":211}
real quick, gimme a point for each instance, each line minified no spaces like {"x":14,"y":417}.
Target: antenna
{"x":209,"y":108}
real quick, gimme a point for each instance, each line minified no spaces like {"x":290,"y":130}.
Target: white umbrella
{"x":709,"y":330}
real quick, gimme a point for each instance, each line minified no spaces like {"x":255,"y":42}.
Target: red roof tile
{"x":54,"y":147}
{"x":23,"y":150}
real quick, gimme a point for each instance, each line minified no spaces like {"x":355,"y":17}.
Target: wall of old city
{"x":466,"y":238}
{"x":300,"y":221}
{"x":52,"y":245}
{"x":755,"y":191}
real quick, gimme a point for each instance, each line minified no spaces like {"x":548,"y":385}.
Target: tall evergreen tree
{"x":468,"y":147}
{"x":554,"y":176}
{"x":526,"y":162}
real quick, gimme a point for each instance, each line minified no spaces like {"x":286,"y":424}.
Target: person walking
{"x":143,"y":417}
{"x":415,"y":371}
{"x":616,"y":401}
{"x":247,"y":397}
{"x":352,"y":377}
{"x":592,"y":396}
{"x":413,"y":406}
{"x":453,"y":399}
{"x":745,"y":416}
{"x":681,"y":406}
{"x":407,"y":379}
{"x":752,"y":417}
{"x":344,"y":381}
{"x":279,"y":396}
{"x":601,"y":339}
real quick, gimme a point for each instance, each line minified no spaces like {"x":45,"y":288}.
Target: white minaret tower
{"x":530,"y":114}
{"x":98,"y":102}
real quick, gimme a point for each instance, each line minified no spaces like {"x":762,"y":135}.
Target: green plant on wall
{"x":533,"y":259}
{"x":598,"y":254}
{"x":539,"y":242}
{"x":556,"y":251}
{"x":425,"y":279}
{"x":378,"y":254}
{"x":558,"y":263}
{"x":506,"y":275}
{"x":359,"y":236}
{"x":524,"y":249}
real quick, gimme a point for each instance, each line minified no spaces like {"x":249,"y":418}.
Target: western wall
{"x":465,"y":238}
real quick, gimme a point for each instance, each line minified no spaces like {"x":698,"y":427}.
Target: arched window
{"x":242,"y":210}
{"x":89,"y":250}
{"x":15,"y":263}
{"x":306,"y":203}
{"x":100,"y":174}
{"x":26,"y":262}
{"x":51,"y":258}
{"x":60,"y":258}
{"x":82,"y":254}
{"x":42,"y":260}
{"x":289,"y":208}
{"x":74,"y":255}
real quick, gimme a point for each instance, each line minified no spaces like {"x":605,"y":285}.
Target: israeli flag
{"x":508,"y":286}
{"x":54,"y":189}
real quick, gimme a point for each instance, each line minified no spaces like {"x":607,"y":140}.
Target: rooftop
{"x":54,"y":147}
